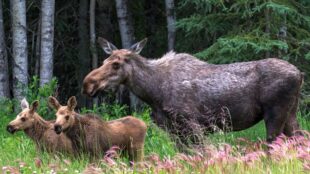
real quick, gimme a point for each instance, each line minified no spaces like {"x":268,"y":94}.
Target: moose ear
{"x":53,"y":102}
{"x":24,"y":104}
{"x":34,"y":106}
{"x":137,"y":47}
{"x":106,"y":46}
{"x":71,"y":104}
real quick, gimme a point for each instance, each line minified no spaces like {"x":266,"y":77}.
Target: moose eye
{"x":116,"y":65}
{"x":67,"y":117}
{"x":23,"y":119}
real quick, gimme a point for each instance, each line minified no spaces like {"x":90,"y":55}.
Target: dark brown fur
{"x":186,"y":93}
{"x":90,"y":134}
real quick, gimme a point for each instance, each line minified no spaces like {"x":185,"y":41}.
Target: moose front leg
{"x":159,"y":118}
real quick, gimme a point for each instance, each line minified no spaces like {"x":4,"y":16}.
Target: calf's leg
{"x":138,"y":153}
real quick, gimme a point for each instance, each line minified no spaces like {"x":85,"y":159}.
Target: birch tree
{"x":125,"y":23}
{"x":127,"y":36}
{"x":19,"y":47}
{"x":47,"y":41}
{"x":92,"y":34}
{"x":4,"y":74}
{"x":170,"y":12}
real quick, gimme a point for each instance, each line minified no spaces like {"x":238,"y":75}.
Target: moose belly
{"x":233,"y":97}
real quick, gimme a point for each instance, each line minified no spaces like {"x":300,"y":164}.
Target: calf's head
{"x":25,"y":119}
{"x":114,"y":70}
{"x":65,"y":115}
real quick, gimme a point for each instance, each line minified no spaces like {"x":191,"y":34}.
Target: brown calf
{"x":39,"y":130}
{"x":92,"y":135}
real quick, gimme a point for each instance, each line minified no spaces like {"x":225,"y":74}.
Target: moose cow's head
{"x":114,"y":70}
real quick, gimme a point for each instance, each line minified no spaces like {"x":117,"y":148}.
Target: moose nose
{"x":10,"y":129}
{"x":57,"y":129}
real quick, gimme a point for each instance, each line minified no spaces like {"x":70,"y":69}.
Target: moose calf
{"x":92,"y":135}
{"x":39,"y":130}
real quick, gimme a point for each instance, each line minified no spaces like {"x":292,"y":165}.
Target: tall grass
{"x":18,"y":150}
{"x":234,"y":152}
{"x":18,"y":153}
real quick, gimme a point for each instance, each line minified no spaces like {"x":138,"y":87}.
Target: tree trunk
{"x":92,"y":32}
{"x":4,"y":72}
{"x":282,"y":36}
{"x":150,"y":28}
{"x":267,"y":29}
{"x":105,"y":28}
{"x":84,"y":59}
{"x":127,"y":36}
{"x":19,"y":47}
{"x":104,"y":19}
{"x":125,"y":23}
{"x":47,"y":41}
{"x":170,"y":12}
{"x":38,"y":50}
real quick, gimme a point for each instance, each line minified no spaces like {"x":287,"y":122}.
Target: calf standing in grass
{"x":39,"y":130}
{"x":92,"y":135}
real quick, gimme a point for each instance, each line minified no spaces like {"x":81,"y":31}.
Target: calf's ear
{"x":34,"y":106}
{"x":24,"y":104}
{"x":72,"y":103}
{"x":53,"y":102}
{"x":106,"y":46}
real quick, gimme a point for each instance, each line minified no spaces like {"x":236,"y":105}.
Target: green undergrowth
{"x":18,"y":152}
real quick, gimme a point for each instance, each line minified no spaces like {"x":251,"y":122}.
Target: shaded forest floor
{"x":236,"y":152}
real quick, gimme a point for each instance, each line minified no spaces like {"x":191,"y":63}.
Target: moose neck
{"x":75,"y":132}
{"x":144,"y":80}
{"x":37,"y":130}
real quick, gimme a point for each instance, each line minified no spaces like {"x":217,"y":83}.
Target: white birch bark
{"x":127,"y":36}
{"x":170,"y":12}
{"x":19,"y":48}
{"x":125,"y":25}
{"x":47,"y":41}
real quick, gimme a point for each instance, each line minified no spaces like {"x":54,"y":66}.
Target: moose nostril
{"x":10,"y":128}
{"x":57,"y":129}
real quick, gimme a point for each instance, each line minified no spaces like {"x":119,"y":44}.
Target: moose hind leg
{"x":291,"y":125}
{"x":275,"y":119}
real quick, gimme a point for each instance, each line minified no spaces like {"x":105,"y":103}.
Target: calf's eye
{"x":67,"y":117}
{"x":23,"y":119}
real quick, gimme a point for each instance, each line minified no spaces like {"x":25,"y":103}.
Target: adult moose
{"x":185,"y":92}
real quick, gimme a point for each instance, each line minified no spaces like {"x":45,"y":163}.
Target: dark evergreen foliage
{"x":218,"y":31}
{"x":232,"y":31}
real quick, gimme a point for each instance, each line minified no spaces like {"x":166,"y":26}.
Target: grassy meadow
{"x":235,"y":152}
